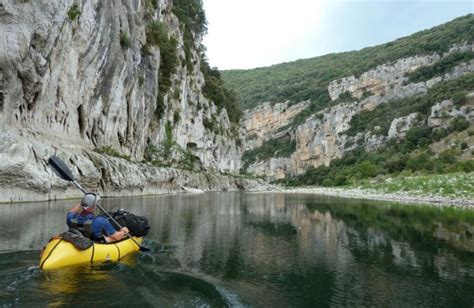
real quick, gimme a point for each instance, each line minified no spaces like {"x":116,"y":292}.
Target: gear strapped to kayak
{"x":77,"y":245}
{"x":76,"y":238}
{"x":138,"y":225}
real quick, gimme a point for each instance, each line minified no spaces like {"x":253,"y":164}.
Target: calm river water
{"x":245,"y":249}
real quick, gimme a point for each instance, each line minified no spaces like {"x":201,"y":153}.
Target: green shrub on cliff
{"x":459,"y":124}
{"x":191,"y":15}
{"x":399,"y":157}
{"x":157,"y":34}
{"x":215,"y":90}
{"x":383,"y":115}
{"x":439,"y":68}
{"x":125,"y":41}
{"x":74,"y":12}
{"x":108,"y":150}
{"x":282,"y":147}
{"x":168,"y":142}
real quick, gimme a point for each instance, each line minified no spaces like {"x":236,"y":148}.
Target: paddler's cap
{"x":89,"y":200}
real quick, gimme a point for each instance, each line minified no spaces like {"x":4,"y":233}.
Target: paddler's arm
{"x":117,"y":236}
{"x":76,"y":209}
{"x":109,"y":232}
{"x":72,"y":213}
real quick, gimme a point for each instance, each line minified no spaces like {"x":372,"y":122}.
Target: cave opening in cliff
{"x":191,"y":146}
{"x":2,"y":98}
{"x":81,"y":119}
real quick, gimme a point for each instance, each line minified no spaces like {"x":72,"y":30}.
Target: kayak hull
{"x":60,"y":253}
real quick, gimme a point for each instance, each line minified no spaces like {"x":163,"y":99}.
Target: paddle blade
{"x":60,"y":168}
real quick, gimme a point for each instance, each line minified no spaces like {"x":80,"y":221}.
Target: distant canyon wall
{"x":321,"y":138}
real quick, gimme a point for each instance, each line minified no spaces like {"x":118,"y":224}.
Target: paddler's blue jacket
{"x":100,"y":225}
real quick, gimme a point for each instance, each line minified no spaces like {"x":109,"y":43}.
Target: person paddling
{"x":97,"y":228}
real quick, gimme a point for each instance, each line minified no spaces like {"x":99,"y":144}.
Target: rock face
{"x":381,"y":79}
{"x":27,"y":177}
{"x":400,"y":126}
{"x":267,"y":119}
{"x":321,"y":138}
{"x":71,"y":83}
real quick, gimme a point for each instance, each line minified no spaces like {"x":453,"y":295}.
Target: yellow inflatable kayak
{"x":59,"y":253}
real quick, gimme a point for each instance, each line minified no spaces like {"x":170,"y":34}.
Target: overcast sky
{"x":255,"y":33}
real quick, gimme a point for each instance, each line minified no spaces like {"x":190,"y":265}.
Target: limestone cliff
{"x":80,"y":76}
{"x":324,"y":136}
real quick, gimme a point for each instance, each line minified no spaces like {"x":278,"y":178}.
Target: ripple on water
{"x":144,"y":279}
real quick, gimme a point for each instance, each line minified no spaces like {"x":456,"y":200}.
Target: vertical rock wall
{"x":71,"y":84}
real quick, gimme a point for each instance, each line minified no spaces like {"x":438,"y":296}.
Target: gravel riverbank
{"x":402,"y":197}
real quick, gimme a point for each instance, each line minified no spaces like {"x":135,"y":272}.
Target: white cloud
{"x":251,"y":33}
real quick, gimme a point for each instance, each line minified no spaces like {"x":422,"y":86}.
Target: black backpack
{"x":138,"y":225}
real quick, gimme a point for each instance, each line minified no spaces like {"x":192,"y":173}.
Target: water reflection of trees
{"x":297,"y":249}
{"x":294,"y":243}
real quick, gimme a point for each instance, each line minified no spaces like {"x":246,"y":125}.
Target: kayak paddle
{"x":63,"y":171}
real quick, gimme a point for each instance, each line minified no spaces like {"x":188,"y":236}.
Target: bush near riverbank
{"x":455,"y":185}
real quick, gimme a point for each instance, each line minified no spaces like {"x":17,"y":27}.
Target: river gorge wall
{"x":324,"y":136}
{"x":81,"y":81}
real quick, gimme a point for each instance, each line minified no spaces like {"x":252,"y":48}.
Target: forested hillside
{"x":403,"y":107}
{"x":309,"y":78}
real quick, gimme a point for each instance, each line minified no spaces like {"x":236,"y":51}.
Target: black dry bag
{"x":137,"y":225}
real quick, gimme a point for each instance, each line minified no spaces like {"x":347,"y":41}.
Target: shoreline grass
{"x":453,"y":185}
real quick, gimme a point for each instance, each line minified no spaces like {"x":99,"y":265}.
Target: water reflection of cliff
{"x":302,"y":242}
{"x":298,"y":249}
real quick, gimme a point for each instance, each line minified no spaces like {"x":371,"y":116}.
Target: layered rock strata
{"x":321,"y":138}
{"x":78,"y":76}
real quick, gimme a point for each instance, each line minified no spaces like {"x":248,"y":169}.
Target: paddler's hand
{"x":125,"y":231}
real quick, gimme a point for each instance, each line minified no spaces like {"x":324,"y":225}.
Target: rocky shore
{"x":402,"y":197}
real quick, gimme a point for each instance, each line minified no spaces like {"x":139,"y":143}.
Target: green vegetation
{"x":345,"y":97}
{"x":458,"y":185}
{"x":405,"y":223}
{"x":210,"y":124}
{"x":108,"y":150}
{"x":157,"y":34}
{"x":176,"y":116}
{"x":309,"y":78}
{"x":74,"y":12}
{"x":150,"y":7}
{"x":189,"y":161}
{"x":190,"y":14}
{"x":151,"y":152}
{"x":409,"y":156}
{"x":439,"y":68}
{"x":157,"y":155}
{"x":168,"y":142}
{"x":215,"y":91}
{"x":282,"y":147}
{"x":459,"y":123}
{"x":383,"y":115}
{"x":125,"y":41}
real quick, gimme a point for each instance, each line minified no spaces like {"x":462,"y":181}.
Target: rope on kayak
{"x":93,"y":250}
{"x":41,"y":266}
{"x":118,"y":249}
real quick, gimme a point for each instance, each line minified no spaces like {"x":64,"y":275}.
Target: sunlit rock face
{"x":69,"y":85}
{"x":322,"y":138}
